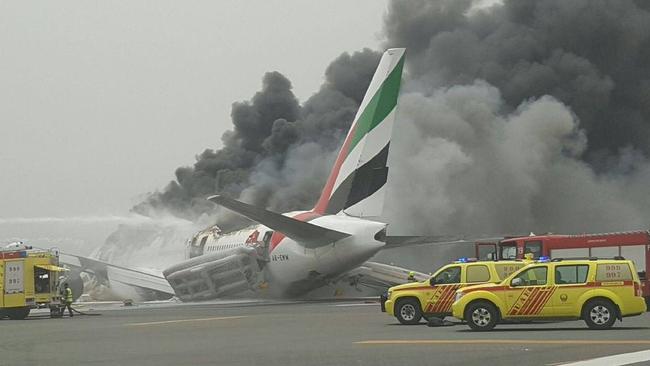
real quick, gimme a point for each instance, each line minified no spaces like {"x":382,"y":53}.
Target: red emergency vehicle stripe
{"x":539,"y":299}
{"x":438,"y":306}
{"x":531,"y":301}
{"x":444,"y":304}
{"x":451,"y":298}
{"x":520,"y":302}
{"x":543,"y":301}
{"x":433,"y":299}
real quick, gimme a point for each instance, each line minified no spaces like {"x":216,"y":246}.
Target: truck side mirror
{"x":432,"y":281}
{"x":516,"y":282}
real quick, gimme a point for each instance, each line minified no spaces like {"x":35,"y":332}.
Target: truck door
{"x":14,"y":284}
{"x":41,"y":280}
{"x":534,"y":247}
{"x":443,"y":292}
{"x":508,"y":250}
{"x":568,"y":280}
{"x":529,"y":293}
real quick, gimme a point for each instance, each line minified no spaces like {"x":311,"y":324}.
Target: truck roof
{"x":596,"y":239}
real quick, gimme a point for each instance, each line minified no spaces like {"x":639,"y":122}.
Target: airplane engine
{"x":221,"y":274}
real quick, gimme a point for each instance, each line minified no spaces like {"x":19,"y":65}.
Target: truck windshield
{"x":509,"y":251}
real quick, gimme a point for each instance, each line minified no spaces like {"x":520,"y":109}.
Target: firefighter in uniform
{"x":411,"y":277}
{"x":67,"y":292}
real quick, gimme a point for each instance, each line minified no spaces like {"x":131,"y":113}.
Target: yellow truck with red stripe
{"x":29,"y":278}
{"x":599,"y":291}
{"x":410,"y":302}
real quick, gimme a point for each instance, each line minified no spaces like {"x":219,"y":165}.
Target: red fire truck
{"x":632,"y":245}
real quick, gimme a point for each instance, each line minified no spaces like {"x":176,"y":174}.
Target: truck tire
{"x":481,"y":316}
{"x":408,"y":311}
{"x":17,"y":313}
{"x":599,"y":314}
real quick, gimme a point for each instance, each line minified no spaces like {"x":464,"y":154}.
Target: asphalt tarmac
{"x":270,"y":333}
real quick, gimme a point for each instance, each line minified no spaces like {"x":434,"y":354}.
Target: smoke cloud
{"x":278,"y":153}
{"x":524,"y":116}
{"x":592,"y":56}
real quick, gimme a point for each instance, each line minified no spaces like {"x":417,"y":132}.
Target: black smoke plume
{"x":278,"y":153}
{"x":593,"y":56}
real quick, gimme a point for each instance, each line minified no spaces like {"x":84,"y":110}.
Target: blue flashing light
{"x":466,"y":260}
{"x":544,"y":259}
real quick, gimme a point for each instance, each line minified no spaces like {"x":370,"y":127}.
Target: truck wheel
{"x":18,"y":313}
{"x":599,"y":314}
{"x":408,"y":311}
{"x":481,"y":316}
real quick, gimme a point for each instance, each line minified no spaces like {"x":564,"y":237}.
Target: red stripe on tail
{"x":321,"y":205}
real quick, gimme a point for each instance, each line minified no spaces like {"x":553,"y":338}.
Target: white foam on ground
{"x":615,"y":360}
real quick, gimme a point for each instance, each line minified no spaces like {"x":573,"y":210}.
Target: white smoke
{"x":84,"y":220}
{"x":461,"y":162}
{"x":164,"y":236}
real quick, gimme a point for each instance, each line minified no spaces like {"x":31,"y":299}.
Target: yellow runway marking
{"x":184,"y":321}
{"x":504,"y":341}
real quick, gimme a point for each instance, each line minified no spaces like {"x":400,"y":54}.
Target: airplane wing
{"x":310,"y":235}
{"x":404,"y":241}
{"x":111,"y":272}
{"x":381,"y":276}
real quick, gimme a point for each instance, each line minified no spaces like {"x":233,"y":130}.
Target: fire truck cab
{"x":29,"y":278}
{"x":632,"y":245}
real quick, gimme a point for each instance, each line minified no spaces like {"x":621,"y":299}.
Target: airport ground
{"x":314,"y":333}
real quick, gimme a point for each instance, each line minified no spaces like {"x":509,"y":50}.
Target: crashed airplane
{"x":290,"y":254}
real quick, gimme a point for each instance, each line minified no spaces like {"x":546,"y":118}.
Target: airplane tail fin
{"x":357,"y":182}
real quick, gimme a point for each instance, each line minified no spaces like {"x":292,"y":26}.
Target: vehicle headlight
{"x":459,"y":295}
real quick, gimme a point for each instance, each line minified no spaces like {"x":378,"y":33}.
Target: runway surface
{"x":269,"y":333}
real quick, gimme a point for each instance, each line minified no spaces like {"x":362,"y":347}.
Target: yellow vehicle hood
{"x":411,"y":285}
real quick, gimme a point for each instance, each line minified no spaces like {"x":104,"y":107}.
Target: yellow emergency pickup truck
{"x":433,"y":298}
{"x":599,"y":291}
{"x":29,"y":278}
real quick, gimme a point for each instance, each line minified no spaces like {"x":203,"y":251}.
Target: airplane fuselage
{"x":291,"y":268}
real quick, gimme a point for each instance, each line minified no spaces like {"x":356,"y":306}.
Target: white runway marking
{"x":505,"y":341}
{"x":615,"y":360}
{"x":185,"y":321}
{"x":363,"y":304}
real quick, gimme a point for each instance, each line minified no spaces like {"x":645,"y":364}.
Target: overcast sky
{"x":101,"y":100}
